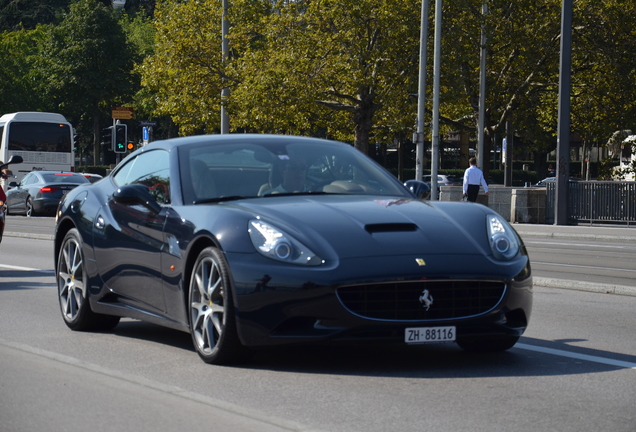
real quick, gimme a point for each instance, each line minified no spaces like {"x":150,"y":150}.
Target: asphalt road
{"x":574,"y":370}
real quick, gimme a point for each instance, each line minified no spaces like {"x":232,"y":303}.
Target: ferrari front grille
{"x":422,"y":300}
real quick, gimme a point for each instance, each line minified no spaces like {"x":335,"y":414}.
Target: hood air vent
{"x":391,"y":227}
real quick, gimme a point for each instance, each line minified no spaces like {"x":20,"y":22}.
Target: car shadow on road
{"x":134,"y":329}
{"x":437,"y":361}
{"x":27,"y":279}
{"x":424,"y":361}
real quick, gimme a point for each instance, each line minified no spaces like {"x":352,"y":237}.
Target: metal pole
{"x":508,"y":165}
{"x":481,"y":151}
{"x":563,"y":132}
{"x":437,"y":57}
{"x":225,"y":92}
{"x":421,"y":94}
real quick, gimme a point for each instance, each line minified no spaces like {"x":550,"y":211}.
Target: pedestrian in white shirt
{"x":473,"y":178}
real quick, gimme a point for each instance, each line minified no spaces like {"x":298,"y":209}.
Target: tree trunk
{"x":363,"y":121}
{"x":363,"y":124}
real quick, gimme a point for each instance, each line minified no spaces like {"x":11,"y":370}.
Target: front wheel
{"x":212,"y":319}
{"x":73,"y":290}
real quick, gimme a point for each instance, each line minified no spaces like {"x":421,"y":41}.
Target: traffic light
{"x":131,"y":146}
{"x":107,"y":137}
{"x":121,"y":138}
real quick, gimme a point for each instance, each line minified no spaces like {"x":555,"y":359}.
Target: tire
{"x":73,"y":290}
{"x":28,"y":207}
{"x":212,"y":319}
{"x":485,"y":345}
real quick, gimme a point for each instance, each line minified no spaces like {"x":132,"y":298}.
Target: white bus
{"x":44,"y":140}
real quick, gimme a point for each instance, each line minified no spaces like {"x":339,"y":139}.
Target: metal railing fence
{"x":596,"y":201}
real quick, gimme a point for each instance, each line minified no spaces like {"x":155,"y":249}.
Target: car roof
{"x":228,"y":138}
{"x":56,"y":172}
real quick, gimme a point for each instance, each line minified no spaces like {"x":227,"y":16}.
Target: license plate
{"x":414,"y":335}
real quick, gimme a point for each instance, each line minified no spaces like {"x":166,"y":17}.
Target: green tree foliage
{"x":87,"y":64}
{"x":604,"y":45}
{"x":347,"y":69}
{"x":296,"y":67}
{"x":20,"y":89}
{"x":183,"y":76}
{"x":342,"y":69}
{"x":27,"y":14}
{"x":145,"y":7}
{"x":339,"y":65}
{"x":522,"y":64}
{"x":140,"y":32}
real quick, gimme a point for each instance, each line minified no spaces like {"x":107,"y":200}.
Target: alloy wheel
{"x":70,"y":280}
{"x":29,"y":207}
{"x":207,"y":305}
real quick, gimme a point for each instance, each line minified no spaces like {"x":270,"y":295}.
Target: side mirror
{"x":418,"y":188}
{"x":136,"y":194}
{"x":15,"y":159}
{"x":12,"y":160}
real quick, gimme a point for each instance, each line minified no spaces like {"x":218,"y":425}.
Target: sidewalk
{"x":620,"y":233}
{"x":613,"y":233}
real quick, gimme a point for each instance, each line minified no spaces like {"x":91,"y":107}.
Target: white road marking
{"x":12,"y":267}
{"x":577,"y":356}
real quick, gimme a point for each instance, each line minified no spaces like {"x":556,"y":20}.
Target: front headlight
{"x":503,"y":240}
{"x":274,"y":244}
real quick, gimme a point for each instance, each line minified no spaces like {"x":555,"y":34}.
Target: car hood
{"x":371,"y":227}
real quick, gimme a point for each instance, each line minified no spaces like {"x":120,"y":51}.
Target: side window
{"x":30,"y":178}
{"x":150,"y":169}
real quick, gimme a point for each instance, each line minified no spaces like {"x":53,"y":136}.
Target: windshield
{"x":64,"y":178}
{"x":266,"y":168}
{"x":39,"y":137}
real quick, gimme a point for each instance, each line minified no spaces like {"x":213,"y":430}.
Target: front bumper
{"x":45,"y":205}
{"x":282,"y":304}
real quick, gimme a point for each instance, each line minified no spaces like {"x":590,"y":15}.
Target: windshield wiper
{"x":296,"y":193}
{"x":220,"y":199}
{"x":238,"y":197}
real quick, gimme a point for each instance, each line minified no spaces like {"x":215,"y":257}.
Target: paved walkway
{"x":595,"y":232}
{"x":612,"y":233}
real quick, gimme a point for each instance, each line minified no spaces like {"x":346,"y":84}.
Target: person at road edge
{"x":473,"y":178}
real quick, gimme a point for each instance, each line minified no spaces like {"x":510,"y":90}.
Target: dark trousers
{"x":472,"y":192}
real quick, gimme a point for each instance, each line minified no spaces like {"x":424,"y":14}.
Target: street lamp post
{"x":421,"y":94}
{"x":437,"y":59}
{"x":563,"y":129}
{"x":481,"y":148}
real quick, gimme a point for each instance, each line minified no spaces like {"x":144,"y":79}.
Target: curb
{"x":30,"y":236}
{"x":584,"y":286}
{"x":554,"y":235}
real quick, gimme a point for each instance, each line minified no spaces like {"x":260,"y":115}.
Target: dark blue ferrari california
{"x":247,"y":241}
